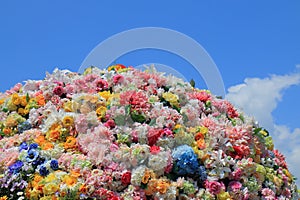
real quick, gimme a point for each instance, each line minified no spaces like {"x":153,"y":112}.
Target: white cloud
{"x":259,"y":98}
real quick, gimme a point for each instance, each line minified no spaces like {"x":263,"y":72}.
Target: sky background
{"x":255,"y":45}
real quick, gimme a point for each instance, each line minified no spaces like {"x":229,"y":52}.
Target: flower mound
{"x":125,"y":134}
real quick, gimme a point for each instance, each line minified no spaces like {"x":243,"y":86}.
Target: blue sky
{"x":246,"y":39}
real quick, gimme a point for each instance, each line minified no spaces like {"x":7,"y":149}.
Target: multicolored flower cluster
{"x":126,"y":134}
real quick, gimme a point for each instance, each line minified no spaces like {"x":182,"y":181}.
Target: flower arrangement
{"x":126,"y":134}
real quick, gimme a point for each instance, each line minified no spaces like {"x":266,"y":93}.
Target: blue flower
{"x":202,"y":173}
{"x":33,"y":146}
{"x":23,"y":146}
{"x":32,"y":155}
{"x":38,"y":161}
{"x":54,"y":164}
{"x":24,"y":126}
{"x":15,"y":168}
{"x":185,"y":160}
{"x":43,"y":171}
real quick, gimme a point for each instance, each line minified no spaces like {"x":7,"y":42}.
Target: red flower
{"x":126,"y":178}
{"x":153,"y":135}
{"x":154,"y":149}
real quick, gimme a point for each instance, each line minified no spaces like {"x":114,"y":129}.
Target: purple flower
{"x":15,"y":168}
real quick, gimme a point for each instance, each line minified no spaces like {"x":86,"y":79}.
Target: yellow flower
{"x":50,"y":178}
{"x":69,"y":180}
{"x":3,"y":198}
{"x":16,"y":100}
{"x":1,"y":101}
{"x":288,"y":174}
{"x":68,"y":106}
{"x":23,"y":101}
{"x":224,"y":196}
{"x":101,"y":111}
{"x":177,"y":126}
{"x":105,"y":94}
{"x":171,"y":98}
{"x":50,"y":188}
{"x":68,"y":121}
{"x":23,"y":111}
{"x":203,"y":130}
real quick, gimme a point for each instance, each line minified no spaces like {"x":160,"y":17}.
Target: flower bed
{"x":125,"y":134}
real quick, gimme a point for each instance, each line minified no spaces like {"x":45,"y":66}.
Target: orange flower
{"x":162,"y":186}
{"x":47,"y":146}
{"x":83,"y":189}
{"x":40,"y":140}
{"x":40,"y":100}
{"x":7,"y":131}
{"x":201,"y":144}
{"x":3,"y":198}
{"x":148,"y":174}
{"x":70,"y":143}
{"x":53,"y":135}
{"x":75,"y":173}
{"x":69,"y":180}
{"x":199,"y":136}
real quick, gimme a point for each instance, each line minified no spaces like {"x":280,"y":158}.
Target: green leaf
{"x":138,"y":117}
{"x":192,"y":82}
{"x":27,"y":97}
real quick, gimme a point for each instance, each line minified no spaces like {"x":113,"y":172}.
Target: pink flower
{"x":100,"y":85}
{"x":235,"y":185}
{"x":110,"y":123}
{"x":214,"y":187}
{"x":118,"y":78}
{"x":268,"y":194}
{"x":237,"y":173}
{"x":59,"y":90}
{"x":200,"y":95}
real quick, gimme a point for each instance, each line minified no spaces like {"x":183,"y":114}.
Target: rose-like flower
{"x":126,"y":178}
{"x":59,"y":90}
{"x":214,"y":187}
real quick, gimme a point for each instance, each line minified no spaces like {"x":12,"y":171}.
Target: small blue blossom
{"x":202,"y":173}
{"x":32,"y":155}
{"x":38,"y":161}
{"x":23,"y":146}
{"x":24,"y":126}
{"x":33,"y":146}
{"x":54,"y":164}
{"x":15,"y":168}
{"x":43,"y":171}
{"x":185,"y":160}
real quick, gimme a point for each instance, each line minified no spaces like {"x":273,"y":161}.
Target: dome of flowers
{"x":125,"y":134}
